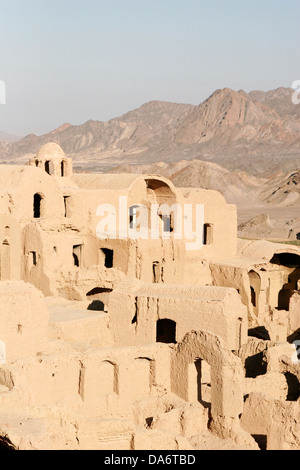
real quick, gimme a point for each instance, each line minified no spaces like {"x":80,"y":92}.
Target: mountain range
{"x":256,"y":132}
{"x":245,"y":145}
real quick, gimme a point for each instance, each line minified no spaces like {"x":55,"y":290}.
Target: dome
{"x":49,"y":151}
{"x":53,"y":160}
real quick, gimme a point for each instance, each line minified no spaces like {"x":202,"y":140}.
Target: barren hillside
{"x":257,"y":132}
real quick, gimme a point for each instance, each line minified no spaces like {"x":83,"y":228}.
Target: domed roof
{"x":49,"y":151}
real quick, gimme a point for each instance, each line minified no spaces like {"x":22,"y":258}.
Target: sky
{"x":75,"y":60}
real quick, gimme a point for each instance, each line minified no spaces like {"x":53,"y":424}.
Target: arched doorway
{"x":225,"y":379}
{"x":168,"y":216}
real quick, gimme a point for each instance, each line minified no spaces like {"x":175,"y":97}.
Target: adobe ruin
{"x":138,"y":343}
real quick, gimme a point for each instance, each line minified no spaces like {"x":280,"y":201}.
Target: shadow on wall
{"x":293,"y":386}
{"x":166,"y":331}
{"x":97,"y":305}
{"x":261,"y":441}
{"x":5,"y":444}
{"x":99,"y":298}
{"x":290,"y":262}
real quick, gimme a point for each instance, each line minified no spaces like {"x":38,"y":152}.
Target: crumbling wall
{"x":23,"y":320}
{"x":136,"y":309}
{"x":227,"y":380}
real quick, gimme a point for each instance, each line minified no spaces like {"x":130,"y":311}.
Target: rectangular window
{"x":67,"y":203}
{"x":108,"y":256}
{"x":207,"y":234}
{"x":167,"y":222}
{"x":132,"y":217}
{"x":37,"y":206}
{"x":77,"y":255}
{"x":32,"y":258}
{"x":156,"y":272}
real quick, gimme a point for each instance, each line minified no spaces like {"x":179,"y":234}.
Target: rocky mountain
{"x":228,"y":117}
{"x":280,"y":100}
{"x":256,"y":132}
{"x":61,"y":128}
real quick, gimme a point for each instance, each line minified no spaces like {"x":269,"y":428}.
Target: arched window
{"x":49,"y":167}
{"x":37,"y":205}
{"x":63,"y":168}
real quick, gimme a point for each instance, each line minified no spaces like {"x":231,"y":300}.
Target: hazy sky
{"x":75,"y":60}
